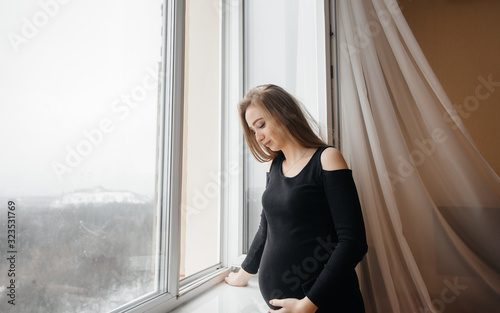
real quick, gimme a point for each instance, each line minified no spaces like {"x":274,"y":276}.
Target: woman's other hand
{"x":238,"y":279}
{"x":292,"y":305}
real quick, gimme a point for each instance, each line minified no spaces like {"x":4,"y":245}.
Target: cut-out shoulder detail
{"x":332,"y":159}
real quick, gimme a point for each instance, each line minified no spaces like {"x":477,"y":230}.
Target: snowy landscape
{"x":90,"y":250}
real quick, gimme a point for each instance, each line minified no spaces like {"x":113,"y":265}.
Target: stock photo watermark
{"x":210,"y":191}
{"x":93,"y":137}
{"x":11,"y":253}
{"x":309,"y":265}
{"x":471,"y":103}
{"x":448,"y":295}
{"x":300,"y":274}
{"x":48,"y":9}
{"x":225,"y":5}
{"x":426,"y":147}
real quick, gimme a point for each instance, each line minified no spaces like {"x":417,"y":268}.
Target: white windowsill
{"x":223,"y":298}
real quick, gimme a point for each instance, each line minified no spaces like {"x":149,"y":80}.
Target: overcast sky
{"x":69,"y":68}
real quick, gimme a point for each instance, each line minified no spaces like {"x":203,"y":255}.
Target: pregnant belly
{"x":289,"y":273}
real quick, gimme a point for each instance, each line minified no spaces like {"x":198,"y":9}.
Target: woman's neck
{"x":294,"y":152}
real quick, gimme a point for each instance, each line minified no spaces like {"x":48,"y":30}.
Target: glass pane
{"x":78,"y":138}
{"x":284,"y":45}
{"x":201,"y":166}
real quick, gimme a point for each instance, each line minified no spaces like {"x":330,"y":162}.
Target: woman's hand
{"x":238,"y":279}
{"x":292,"y":305}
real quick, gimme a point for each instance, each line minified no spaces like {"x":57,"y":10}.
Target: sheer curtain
{"x":431,"y":202}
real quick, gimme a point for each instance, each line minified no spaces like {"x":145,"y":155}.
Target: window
{"x":82,"y":134}
{"x":115,"y":125}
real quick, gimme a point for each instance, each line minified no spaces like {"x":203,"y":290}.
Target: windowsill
{"x":223,"y":298}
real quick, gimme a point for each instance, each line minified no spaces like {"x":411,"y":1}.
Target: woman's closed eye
{"x":261,"y":126}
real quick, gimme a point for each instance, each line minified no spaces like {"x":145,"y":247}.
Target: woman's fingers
{"x":235,"y":280}
{"x":277,"y":302}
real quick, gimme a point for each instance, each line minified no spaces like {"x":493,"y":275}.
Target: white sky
{"x":64,"y":80}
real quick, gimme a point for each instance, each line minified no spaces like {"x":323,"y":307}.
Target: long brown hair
{"x":286,"y":114}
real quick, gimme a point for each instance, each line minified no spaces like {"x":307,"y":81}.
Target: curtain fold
{"x":431,"y":202}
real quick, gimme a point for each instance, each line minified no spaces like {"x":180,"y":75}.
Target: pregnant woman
{"x":311,"y":234}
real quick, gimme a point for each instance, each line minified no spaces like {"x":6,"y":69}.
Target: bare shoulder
{"x":332,"y":159}
{"x":269,"y":165}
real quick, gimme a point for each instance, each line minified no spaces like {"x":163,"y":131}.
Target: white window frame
{"x":232,"y":135}
{"x":170,"y":152}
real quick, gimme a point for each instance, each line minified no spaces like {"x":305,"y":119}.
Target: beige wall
{"x":461,"y":40}
{"x":200,"y":216}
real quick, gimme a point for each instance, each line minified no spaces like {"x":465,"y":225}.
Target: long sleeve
{"x":252,"y":260}
{"x":345,"y":209}
{"x":254,"y":255}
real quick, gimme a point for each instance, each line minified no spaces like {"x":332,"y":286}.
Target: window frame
{"x":169,"y":160}
{"x":233,"y":143}
{"x":170,"y":153}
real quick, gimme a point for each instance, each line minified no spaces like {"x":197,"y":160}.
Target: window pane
{"x":78,"y":131}
{"x":284,"y":45}
{"x":201,"y":165}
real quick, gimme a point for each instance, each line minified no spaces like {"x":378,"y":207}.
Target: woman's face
{"x":263,"y":130}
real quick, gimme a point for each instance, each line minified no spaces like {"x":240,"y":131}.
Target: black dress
{"x":310,"y":239}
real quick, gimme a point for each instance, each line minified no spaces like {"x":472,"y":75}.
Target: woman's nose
{"x":260,"y":137}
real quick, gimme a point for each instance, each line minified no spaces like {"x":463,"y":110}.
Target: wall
{"x":461,"y":41}
{"x":200,"y":216}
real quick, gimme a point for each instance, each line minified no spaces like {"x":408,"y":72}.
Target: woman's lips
{"x":267,"y":143}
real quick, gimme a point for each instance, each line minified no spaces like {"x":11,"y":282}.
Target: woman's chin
{"x":272,"y":147}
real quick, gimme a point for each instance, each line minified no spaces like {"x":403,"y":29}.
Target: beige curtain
{"x":430,"y":201}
